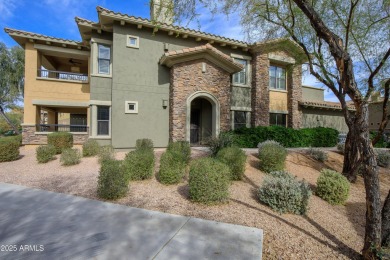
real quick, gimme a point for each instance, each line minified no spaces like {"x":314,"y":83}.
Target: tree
{"x":347,"y":47}
{"x":11,"y":79}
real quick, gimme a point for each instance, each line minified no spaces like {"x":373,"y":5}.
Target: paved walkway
{"x":38,"y":224}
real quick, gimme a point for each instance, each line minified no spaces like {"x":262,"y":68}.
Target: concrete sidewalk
{"x":37,"y":224}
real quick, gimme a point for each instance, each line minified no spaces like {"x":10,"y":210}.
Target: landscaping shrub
{"x":272,"y":156}
{"x":45,"y":153}
{"x":9,"y":150}
{"x":172,"y":168}
{"x":281,"y":174}
{"x":222,"y":141}
{"x":341,"y":147}
{"x":106,"y":152}
{"x":209,"y":181}
{"x":144,"y":144}
{"x":285,"y":194}
{"x":382,"y":158}
{"x":70,"y":156}
{"x":60,"y":140}
{"x":317,"y":154}
{"x":181,"y":149}
{"x":332,"y":187}
{"x":381,"y":142}
{"x":112,"y":182}
{"x":15,"y":138}
{"x":235,"y":158}
{"x":90,"y":148}
{"x":139,"y":164}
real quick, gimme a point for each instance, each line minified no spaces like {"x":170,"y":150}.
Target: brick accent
{"x":188,"y":78}
{"x":30,"y":137}
{"x":294,"y":90}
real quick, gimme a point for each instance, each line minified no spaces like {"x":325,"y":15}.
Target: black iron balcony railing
{"x":52,"y":74}
{"x":62,"y":128}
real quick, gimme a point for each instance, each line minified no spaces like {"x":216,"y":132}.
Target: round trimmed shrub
{"x":272,"y":156}
{"x":382,"y":158}
{"x":90,"y":148}
{"x":317,"y":154}
{"x":209,"y":181}
{"x":285,"y":194}
{"x":172,"y":168}
{"x":60,"y":140}
{"x":235,"y":158}
{"x":181,"y":149}
{"x":112,"y":182}
{"x":281,"y":174}
{"x":45,"y":153}
{"x":106,"y":152}
{"x":332,"y":187}
{"x":9,"y":149}
{"x":70,"y":156}
{"x":139,"y":164}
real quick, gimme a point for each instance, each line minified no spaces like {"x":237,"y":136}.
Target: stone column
{"x":294,"y":95}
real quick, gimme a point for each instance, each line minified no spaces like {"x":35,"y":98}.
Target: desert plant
{"x":112,"y":182}
{"x":45,"y":153}
{"x":172,"y":168}
{"x":332,"y":187}
{"x":285,"y":194}
{"x":90,"y":148}
{"x":181,"y":149}
{"x":317,"y":154}
{"x":70,"y":156}
{"x":222,"y":141}
{"x":9,"y":150}
{"x":235,"y":158}
{"x":281,"y":174}
{"x":60,"y":140}
{"x":106,"y":152}
{"x":382,"y":158}
{"x":208,"y":181}
{"x":139,"y":164}
{"x":340,"y":147}
{"x":144,"y":144}
{"x":272,"y":156}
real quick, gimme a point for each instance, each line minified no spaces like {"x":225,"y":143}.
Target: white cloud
{"x":7,"y":8}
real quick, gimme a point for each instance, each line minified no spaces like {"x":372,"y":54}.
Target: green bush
{"x":15,"y":138}
{"x":382,"y":158}
{"x":381,"y":142}
{"x":332,"y":187}
{"x":139,"y":164}
{"x":60,"y":140}
{"x":281,"y":174}
{"x":70,"y":156}
{"x":317,"y":154}
{"x":144,"y":144}
{"x":235,"y":158}
{"x":209,"y":181}
{"x":181,"y":149}
{"x":285,"y":194}
{"x":9,"y":150}
{"x":220,"y":142}
{"x":106,"y":152}
{"x":45,"y":153}
{"x":341,"y":147}
{"x":90,"y":148}
{"x":172,"y":168}
{"x":112,"y":182}
{"x":272,"y":156}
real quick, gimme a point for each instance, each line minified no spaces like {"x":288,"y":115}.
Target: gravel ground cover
{"x":327,"y":232}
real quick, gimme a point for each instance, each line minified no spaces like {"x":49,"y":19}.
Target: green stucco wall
{"x":101,"y":88}
{"x":325,"y":118}
{"x":241,"y":97}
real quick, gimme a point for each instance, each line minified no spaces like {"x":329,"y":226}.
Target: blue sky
{"x":56,"y":18}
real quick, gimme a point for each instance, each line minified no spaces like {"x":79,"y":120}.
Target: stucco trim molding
{"x":59,"y":103}
{"x":247,"y":109}
{"x":100,"y":103}
{"x":215,"y":112}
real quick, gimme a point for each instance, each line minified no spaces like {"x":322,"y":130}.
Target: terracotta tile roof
{"x":38,"y":36}
{"x":325,"y":104}
{"x":82,"y":20}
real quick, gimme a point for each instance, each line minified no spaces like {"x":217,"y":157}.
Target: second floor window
{"x":104,"y":59}
{"x":240,"y":77}
{"x":277,"y":78}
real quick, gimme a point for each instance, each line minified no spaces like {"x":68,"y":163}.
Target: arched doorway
{"x":202,"y":118}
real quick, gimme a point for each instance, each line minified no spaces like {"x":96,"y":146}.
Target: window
{"x":103,"y":120}
{"x":132,"y":41}
{"x":277,"y":78}
{"x":240,"y":77}
{"x":278,"y":119}
{"x":131,"y":107}
{"x":104,"y":59}
{"x":240,"y":119}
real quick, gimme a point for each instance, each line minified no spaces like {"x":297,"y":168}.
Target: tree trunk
{"x":351,"y":156}
{"x":386,"y":222}
{"x":8,"y":121}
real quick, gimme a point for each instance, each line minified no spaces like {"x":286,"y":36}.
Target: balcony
{"x":62,"y":75}
{"x":48,"y":128}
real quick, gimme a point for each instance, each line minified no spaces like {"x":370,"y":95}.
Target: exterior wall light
{"x":165,"y":103}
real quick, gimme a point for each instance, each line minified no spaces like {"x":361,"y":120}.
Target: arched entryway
{"x":202,"y":118}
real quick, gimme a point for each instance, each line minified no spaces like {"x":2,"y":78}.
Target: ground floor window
{"x":103,"y":120}
{"x":278,"y":119}
{"x":240,"y":119}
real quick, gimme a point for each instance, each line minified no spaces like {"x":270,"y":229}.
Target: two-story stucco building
{"x":132,"y":78}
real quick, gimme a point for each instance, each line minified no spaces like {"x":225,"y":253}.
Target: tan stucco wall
{"x":375,"y":116}
{"x":312,"y":93}
{"x":41,"y":89}
{"x":278,"y":101}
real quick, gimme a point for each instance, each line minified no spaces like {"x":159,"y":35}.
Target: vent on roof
{"x":161,"y":11}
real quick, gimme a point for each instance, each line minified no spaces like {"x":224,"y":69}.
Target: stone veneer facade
{"x":188,"y":78}
{"x":294,"y":90}
{"x":31,"y":137}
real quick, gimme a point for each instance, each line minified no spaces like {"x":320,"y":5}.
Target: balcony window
{"x":277,"y":78}
{"x":104,"y":59}
{"x":241,"y":77}
{"x":278,"y":119}
{"x":103,"y":120}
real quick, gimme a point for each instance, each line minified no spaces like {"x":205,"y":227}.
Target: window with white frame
{"x":278,"y":119}
{"x":131,"y":107}
{"x":240,"y":119}
{"x":132,"y":41}
{"x":103,"y":120}
{"x":241,"y":77}
{"x":104,"y":59}
{"x":277,"y":78}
